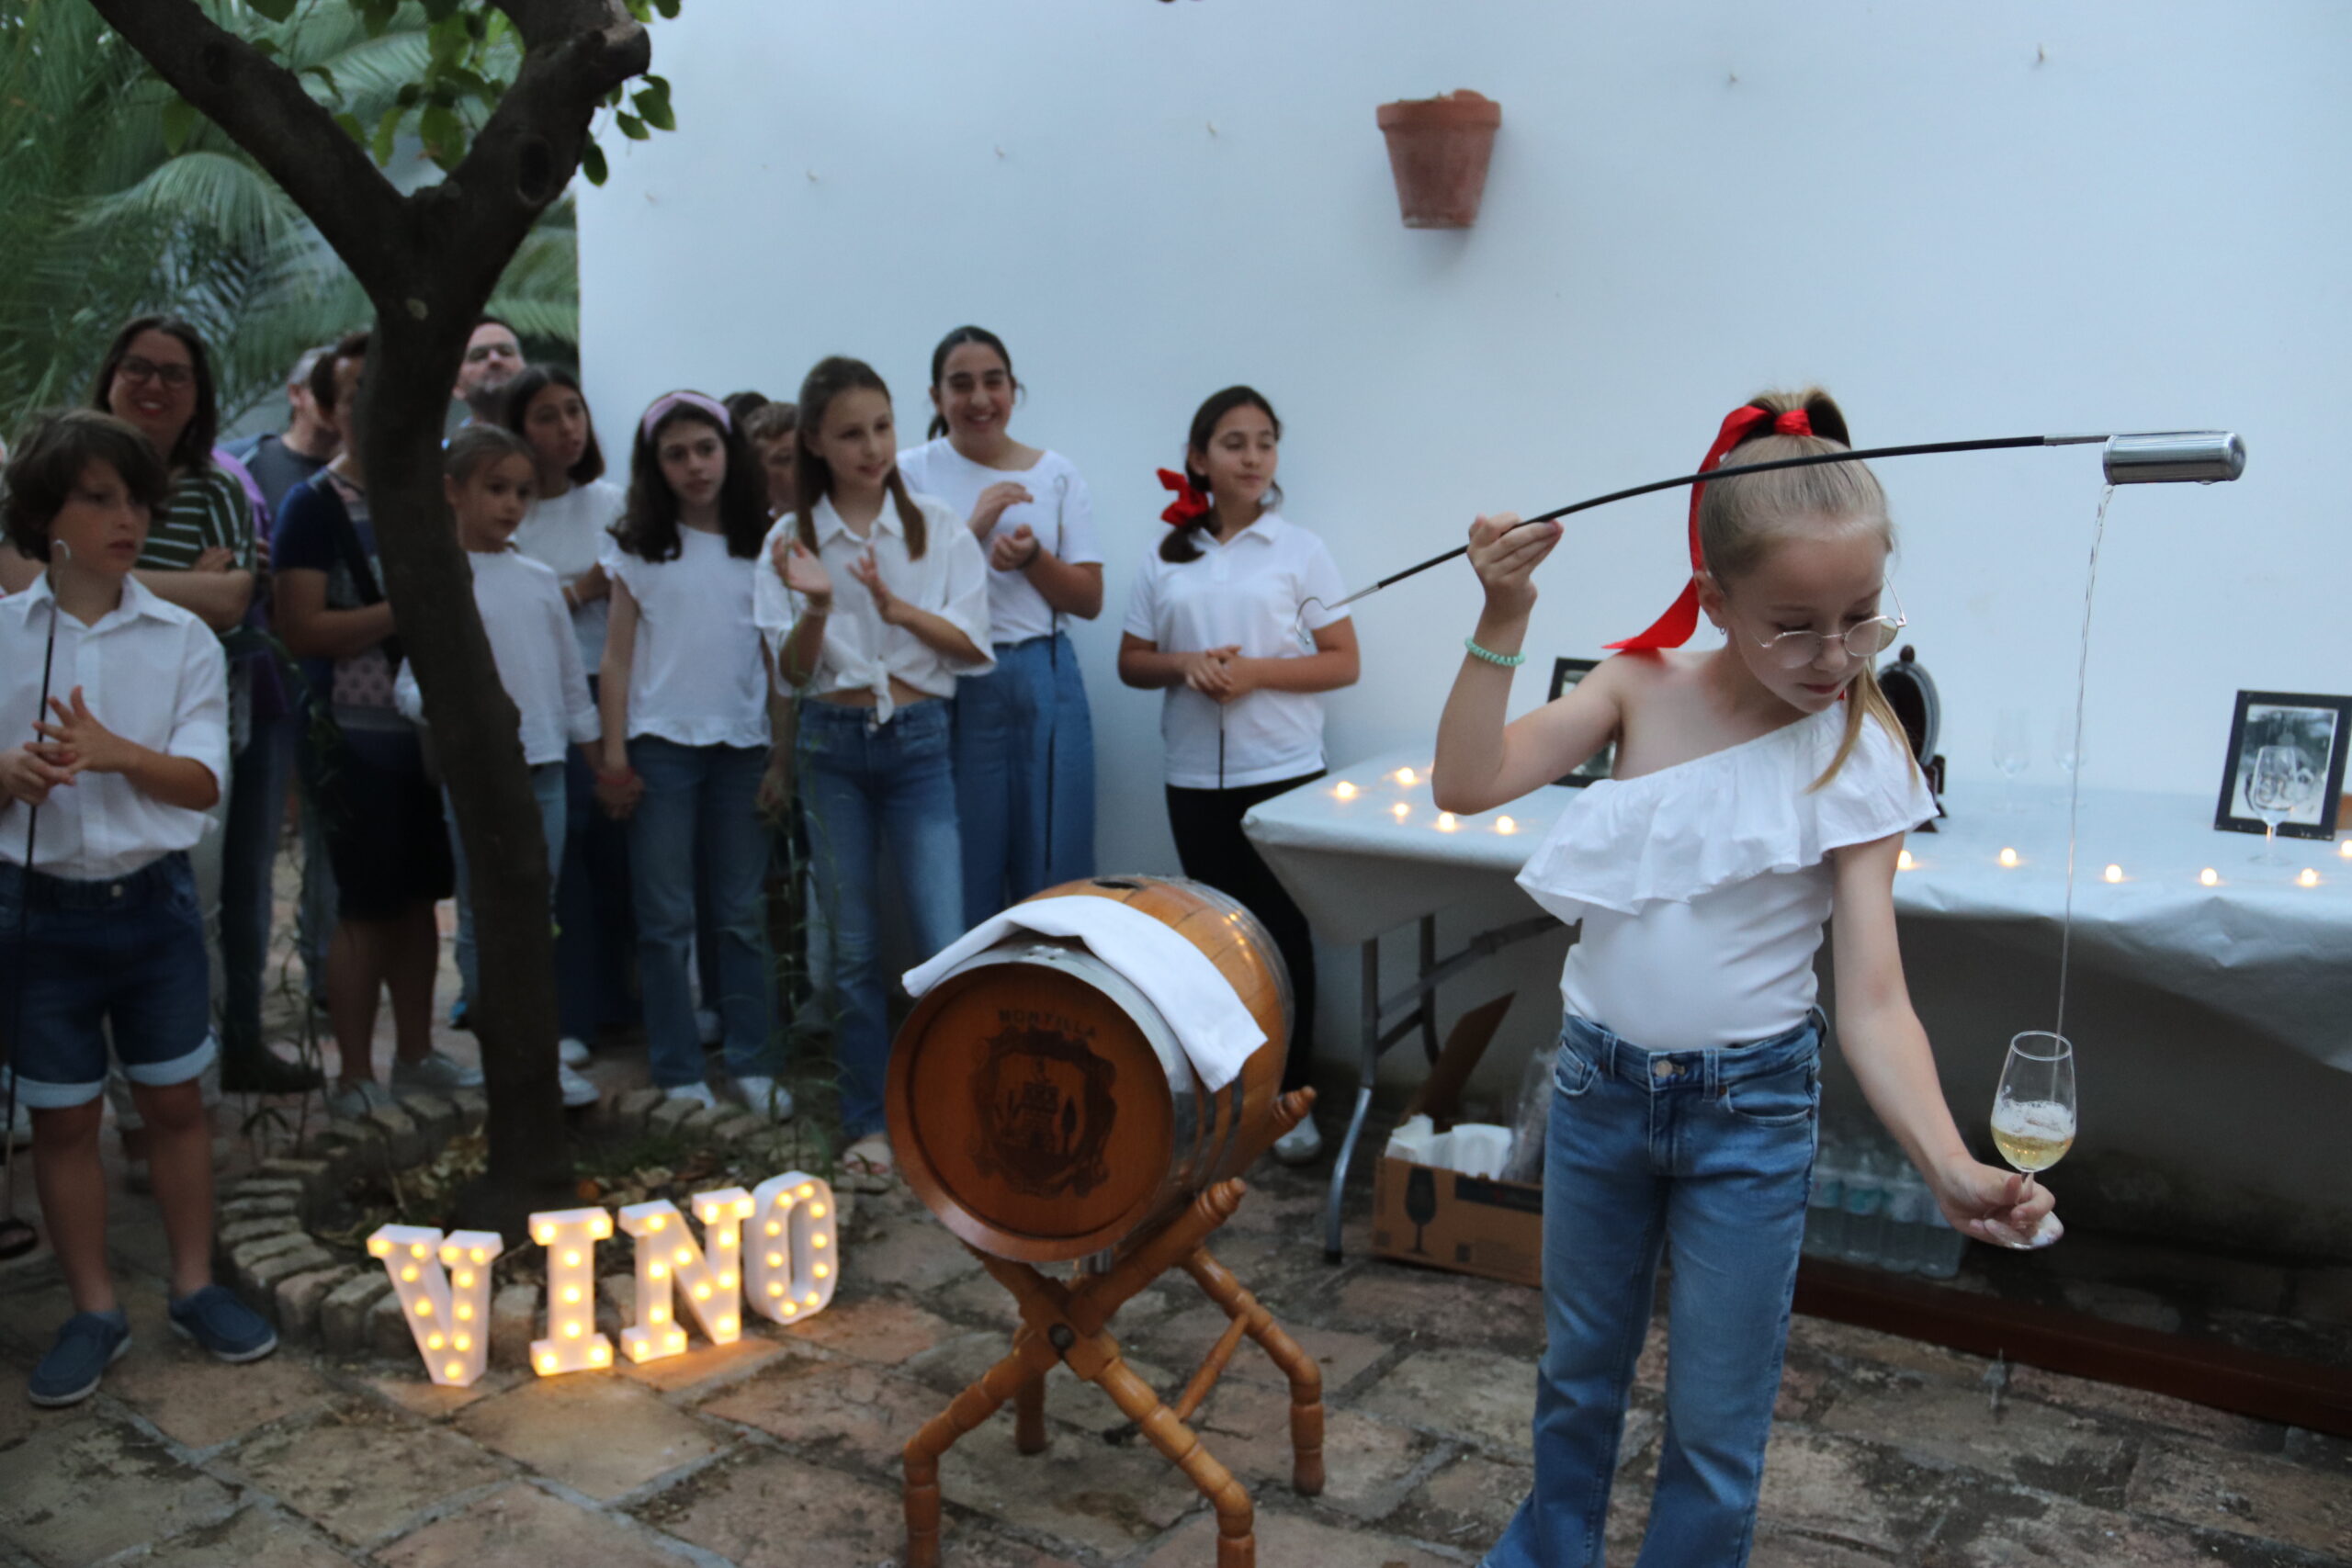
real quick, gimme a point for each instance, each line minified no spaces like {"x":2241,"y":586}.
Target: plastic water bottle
{"x":1825,"y":1206}
{"x":1940,"y":1246}
{"x":1906,"y":1195}
{"x":1865,"y":1209}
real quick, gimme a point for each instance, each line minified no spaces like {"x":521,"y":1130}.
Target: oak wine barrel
{"x":1042,"y":1109}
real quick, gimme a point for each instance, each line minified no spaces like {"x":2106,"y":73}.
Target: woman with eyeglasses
{"x":1759,"y":788}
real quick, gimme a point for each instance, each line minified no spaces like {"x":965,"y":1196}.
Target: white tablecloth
{"x":2257,"y":946}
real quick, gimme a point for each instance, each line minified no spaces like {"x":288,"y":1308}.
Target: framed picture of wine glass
{"x":1567,"y":673}
{"x":2285,"y":769}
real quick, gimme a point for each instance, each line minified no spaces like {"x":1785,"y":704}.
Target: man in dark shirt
{"x":278,"y":463}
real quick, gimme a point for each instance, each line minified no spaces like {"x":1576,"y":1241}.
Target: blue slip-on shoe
{"x":216,"y":1320}
{"x":88,"y":1344}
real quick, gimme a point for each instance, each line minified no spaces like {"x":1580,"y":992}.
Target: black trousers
{"x":1210,"y":843}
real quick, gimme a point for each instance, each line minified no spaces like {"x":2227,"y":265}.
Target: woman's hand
{"x":1210,"y":672}
{"x":83,"y":744}
{"x":776,"y":784}
{"x":993,"y":504}
{"x":886,"y":604}
{"x":1241,"y":677}
{"x":802,"y":573}
{"x":618,"y":791}
{"x":1505,"y":555}
{"x":1999,"y":1206}
{"x":1015,"y":550}
{"x":29,"y":772}
{"x":214,"y":557}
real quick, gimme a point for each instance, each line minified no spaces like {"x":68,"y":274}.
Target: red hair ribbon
{"x":1743,"y":423}
{"x":1188,"y":502}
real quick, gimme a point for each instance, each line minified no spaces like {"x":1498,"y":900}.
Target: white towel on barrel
{"x":1215,"y":1031}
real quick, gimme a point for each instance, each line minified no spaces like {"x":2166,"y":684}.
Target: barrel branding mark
{"x":1045,"y":1112}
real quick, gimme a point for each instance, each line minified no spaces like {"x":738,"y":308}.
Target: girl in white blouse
{"x":685,"y":701}
{"x":1025,"y":737}
{"x":1759,"y":788}
{"x":1213,"y":621}
{"x":877,"y":601}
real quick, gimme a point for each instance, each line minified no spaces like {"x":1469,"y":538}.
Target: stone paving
{"x":781,"y":1451}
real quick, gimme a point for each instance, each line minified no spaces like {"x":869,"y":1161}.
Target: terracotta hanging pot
{"x":1438,"y":150}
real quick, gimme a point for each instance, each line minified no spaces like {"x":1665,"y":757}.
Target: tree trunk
{"x":473,"y":724}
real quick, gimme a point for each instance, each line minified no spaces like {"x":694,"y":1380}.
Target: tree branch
{"x":266,"y":111}
{"x":554,"y":21}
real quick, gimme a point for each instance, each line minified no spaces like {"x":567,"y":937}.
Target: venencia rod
{"x":2204,"y":457}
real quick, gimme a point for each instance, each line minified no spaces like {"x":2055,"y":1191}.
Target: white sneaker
{"x":709,"y":1026}
{"x":571,"y":1053}
{"x":353,"y":1101}
{"x":700,"y":1093}
{"x":577,"y":1089}
{"x":437,"y":1073}
{"x":1301,"y":1146}
{"x":764,"y":1096}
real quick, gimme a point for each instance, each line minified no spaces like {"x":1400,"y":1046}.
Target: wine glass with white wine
{"x":2033,"y":1109}
{"x":2281,"y":785}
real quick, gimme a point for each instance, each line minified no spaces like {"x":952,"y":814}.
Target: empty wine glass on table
{"x":2065,"y":750}
{"x":2281,"y":785}
{"x":2012,"y":749}
{"x":2033,"y":1109}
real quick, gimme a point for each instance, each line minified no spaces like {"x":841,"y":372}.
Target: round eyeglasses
{"x":1864,"y":641}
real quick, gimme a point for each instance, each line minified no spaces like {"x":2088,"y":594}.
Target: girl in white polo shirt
{"x":1024,"y":739}
{"x":1212,"y":621}
{"x":877,"y":601}
{"x":684,"y":695}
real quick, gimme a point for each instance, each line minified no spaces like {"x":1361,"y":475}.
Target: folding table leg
{"x":1367,"y":1073}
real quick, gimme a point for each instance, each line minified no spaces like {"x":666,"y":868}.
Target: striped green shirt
{"x":208,"y":510}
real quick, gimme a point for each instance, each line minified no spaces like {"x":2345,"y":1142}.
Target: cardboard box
{"x":1442,"y":1218}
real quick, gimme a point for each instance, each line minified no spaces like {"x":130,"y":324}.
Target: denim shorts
{"x":126,"y":951}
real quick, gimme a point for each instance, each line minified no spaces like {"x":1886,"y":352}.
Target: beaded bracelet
{"x":1507,"y":660}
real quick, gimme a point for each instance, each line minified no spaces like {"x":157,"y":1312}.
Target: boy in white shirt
{"x":489,"y":477}
{"x":101,"y":926}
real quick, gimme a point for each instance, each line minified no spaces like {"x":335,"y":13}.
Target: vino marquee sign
{"x":786,"y":1270}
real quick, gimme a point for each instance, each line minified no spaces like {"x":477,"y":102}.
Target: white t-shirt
{"x":696,"y":676}
{"x":861,"y":654}
{"x":531,"y":643}
{"x":568,"y":534}
{"x":1062,"y":518}
{"x":1702,"y":888}
{"x":1246,"y":591}
{"x":151,"y":673}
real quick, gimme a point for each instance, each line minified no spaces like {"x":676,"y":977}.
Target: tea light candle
{"x":1505,"y":826}
{"x":1345,"y":790}
{"x":1445,"y":822}
{"x":1407,"y":777}
{"x":2210,"y":877}
{"x":2344,"y":849}
{"x":2008,"y":858}
{"x":2114,"y":873}
{"x":1400,"y":811}
{"x":1903,"y":861}
{"x":2309,"y":878}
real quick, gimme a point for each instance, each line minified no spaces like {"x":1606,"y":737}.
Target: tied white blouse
{"x":860,"y":653}
{"x":1061,"y":516}
{"x":1704,"y":887}
{"x":151,"y":673}
{"x":695,"y":677}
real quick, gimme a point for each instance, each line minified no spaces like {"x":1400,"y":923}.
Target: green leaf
{"x":276,"y":10}
{"x":350,"y":123}
{"x":387,"y":130}
{"x":592,"y":163}
{"x":632,"y":127}
{"x":667,"y":7}
{"x":180,"y":121}
{"x":327,"y":79}
{"x":656,"y":111}
{"x":444,"y":134}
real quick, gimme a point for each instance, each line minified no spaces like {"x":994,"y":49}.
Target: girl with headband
{"x":877,"y":602}
{"x":1760,"y":788}
{"x":1209,"y":621}
{"x":684,"y":695}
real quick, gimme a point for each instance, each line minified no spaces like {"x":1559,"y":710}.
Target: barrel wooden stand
{"x":1066,"y":1323}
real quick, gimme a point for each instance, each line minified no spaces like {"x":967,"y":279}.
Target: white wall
{"x":1966,"y":221}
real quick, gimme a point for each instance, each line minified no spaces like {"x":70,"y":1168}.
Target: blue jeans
{"x":1709,"y":1153}
{"x":595,"y":943}
{"x":256,"y":816}
{"x":1024,"y":775}
{"x":706,"y":796}
{"x":546,"y":788}
{"x":863,"y":783}
{"x":125,"y":955}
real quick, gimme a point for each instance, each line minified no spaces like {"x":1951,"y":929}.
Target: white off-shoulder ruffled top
{"x":1704,"y":887}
